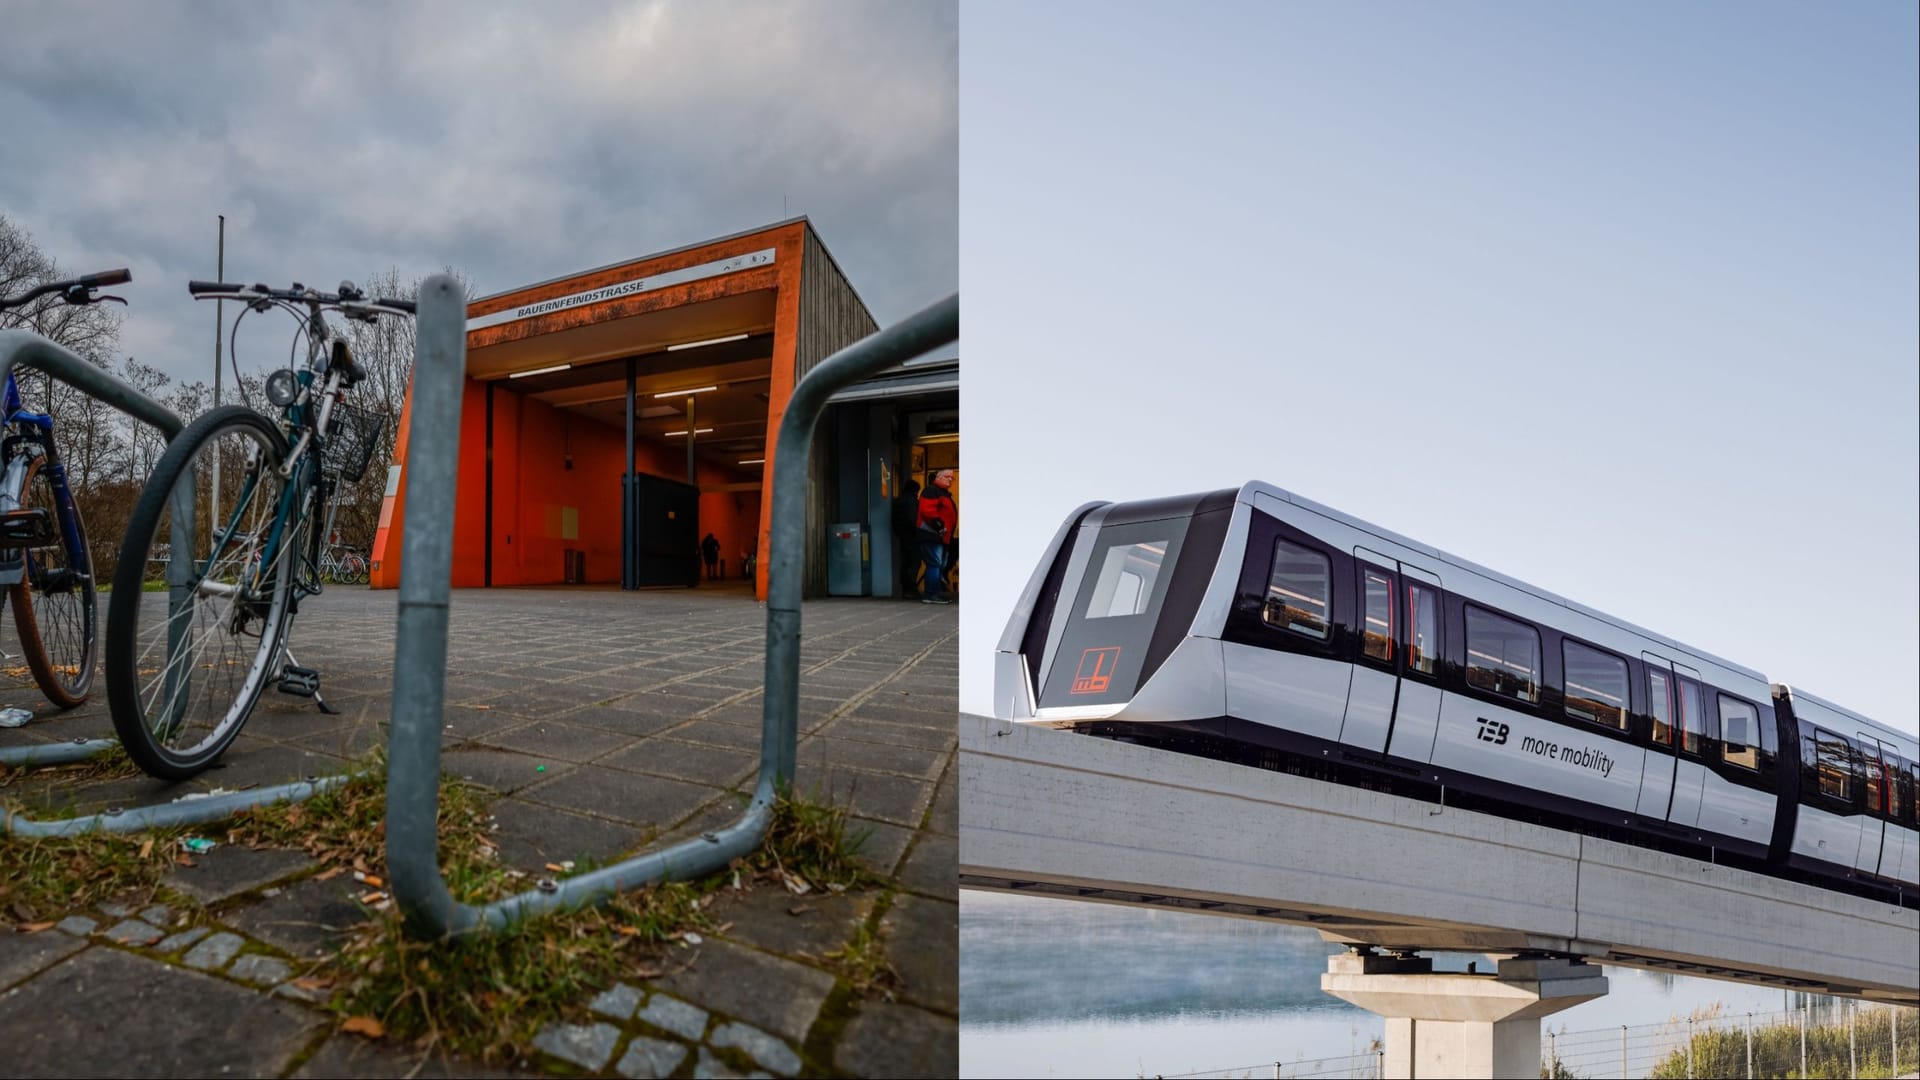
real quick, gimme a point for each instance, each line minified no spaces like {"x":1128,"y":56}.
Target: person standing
{"x":710,"y":551}
{"x":939,"y":518}
{"x":906,"y":518}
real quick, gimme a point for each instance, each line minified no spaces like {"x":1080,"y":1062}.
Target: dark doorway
{"x":662,"y":533}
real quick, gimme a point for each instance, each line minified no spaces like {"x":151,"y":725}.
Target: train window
{"x":1660,"y":695}
{"x":1423,"y":629}
{"x":1596,"y":685}
{"x":1740,"y":730}
{"x":1503,"y":656}
{"x":1299,"y":590}
{"x":1833,"y":765}
{"x":1693,"y":724}
{"x":1377,"y":639}
{"x":1876,"y":781}
{"x":1125,"y":585}
{"x":1908,"y":785}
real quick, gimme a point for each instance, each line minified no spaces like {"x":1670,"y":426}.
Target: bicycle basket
{"x":352,"y":436}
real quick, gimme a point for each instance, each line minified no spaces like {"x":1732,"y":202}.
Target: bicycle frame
{"x":37,"y":428}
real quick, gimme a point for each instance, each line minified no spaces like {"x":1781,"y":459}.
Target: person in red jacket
{"x":938,"y":520}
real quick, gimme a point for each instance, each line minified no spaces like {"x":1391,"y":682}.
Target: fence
{"x":1846,"y":1038}
{"x":1836,"y":1038}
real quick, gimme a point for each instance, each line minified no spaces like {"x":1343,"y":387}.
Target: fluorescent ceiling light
{"x":709,"y":341}
{"x":754,"y":461}
{"x":539,"y":371}
{"x":696,"y":431}
{"x":677,"y":393}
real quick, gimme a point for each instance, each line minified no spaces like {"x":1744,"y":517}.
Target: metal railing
{"x":27,"y":349}
{"x":420,"y":655}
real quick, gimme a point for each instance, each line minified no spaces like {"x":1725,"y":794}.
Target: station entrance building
{"x":615,"y":418}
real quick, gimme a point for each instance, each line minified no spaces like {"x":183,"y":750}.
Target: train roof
{"x":1494,"y":575}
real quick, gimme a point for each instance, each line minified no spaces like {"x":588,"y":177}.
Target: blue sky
{"x":1617,"y":299}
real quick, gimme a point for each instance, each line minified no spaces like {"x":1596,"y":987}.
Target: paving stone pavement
{"x":606,"y":722}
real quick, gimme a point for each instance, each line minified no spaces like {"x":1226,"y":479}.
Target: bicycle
{"x":343,"y":566}
{"x":243,"y":487}
{"x":44,"y":561}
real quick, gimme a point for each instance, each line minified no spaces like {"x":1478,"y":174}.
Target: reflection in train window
{"x":1661,"y":698}
{"x":1833,"y":764}
{"x":1503,"y":656}
{"x":1876,"y":781}
{"x":1298,"y":592}
{"x":1125,"y":584}
{"x":1693,"y":726}
{"x":1423,"y":633}
{"x":1596,"y":685}
{"x":1740,"y":730}
{"x":1377,"y":639}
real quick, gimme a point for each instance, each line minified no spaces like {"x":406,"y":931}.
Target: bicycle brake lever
{"x":116,"y":299}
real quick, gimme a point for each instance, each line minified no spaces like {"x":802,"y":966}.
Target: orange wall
{"x":533,"y":489}
{"x":534,"y":555}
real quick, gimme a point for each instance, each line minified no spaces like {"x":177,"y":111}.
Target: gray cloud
{"x":516,"y":143}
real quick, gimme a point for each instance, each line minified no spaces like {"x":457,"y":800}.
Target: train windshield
{"x":1112,"y":612}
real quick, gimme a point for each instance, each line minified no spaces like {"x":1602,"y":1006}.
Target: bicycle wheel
{"x":185,"y":665}
{"x":353,"y":570}
{"x":54,"y":602}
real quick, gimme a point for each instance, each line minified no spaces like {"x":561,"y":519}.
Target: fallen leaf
{"x":312,"y":983}
{"x":328,"y":875}
{"x":182,"y":860}
{"x":360,"y":864}
{"x":364,"y":1025}
{"x":22,"y":912}
{"x":146,"y":849}
{"x":34,"y":927}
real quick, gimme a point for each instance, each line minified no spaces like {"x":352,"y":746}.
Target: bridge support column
{"x":1451,"y":1024}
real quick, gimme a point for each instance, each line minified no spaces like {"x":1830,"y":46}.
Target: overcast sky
{"x":1618,"y":299}
{"x":513,"y":141}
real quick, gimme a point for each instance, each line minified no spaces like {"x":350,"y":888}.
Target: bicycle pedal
{"x":28,"y":527}
{"x":299,"y":681}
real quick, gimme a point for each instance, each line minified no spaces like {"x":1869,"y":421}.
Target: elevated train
{"x":1256,"y":626}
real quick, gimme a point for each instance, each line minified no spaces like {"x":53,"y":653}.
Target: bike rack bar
{"x":179,"y":812}
{"x":27,"y":349}
{"x":420,"y":654}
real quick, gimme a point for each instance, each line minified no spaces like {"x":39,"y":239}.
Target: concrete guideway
{"x":1061,"y":814}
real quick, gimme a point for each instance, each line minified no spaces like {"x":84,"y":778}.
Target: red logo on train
{"x":1095,"y":672}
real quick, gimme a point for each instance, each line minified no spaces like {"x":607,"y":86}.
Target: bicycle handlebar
{"x":74,"y":290}
{"x":357,"y":304}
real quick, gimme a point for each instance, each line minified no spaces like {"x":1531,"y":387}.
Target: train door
{"x":1376,"y":670}
{"x":1690,"y":765}
{"x":1656,"y":780}
{"x":1873,"y":825}
{"x":1399,"y":612}
{"x":1416,"y":717}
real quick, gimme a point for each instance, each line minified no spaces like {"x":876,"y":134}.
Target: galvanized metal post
{"x":1553,"y":1053}
{"x":1893,"y":1035}
{"x":1623,"y":1049}
{"x":1689,"y":1048}
{"x":1749,"y":1046}
{"x":420,"y":651}
{"x":1853,"y":1059}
